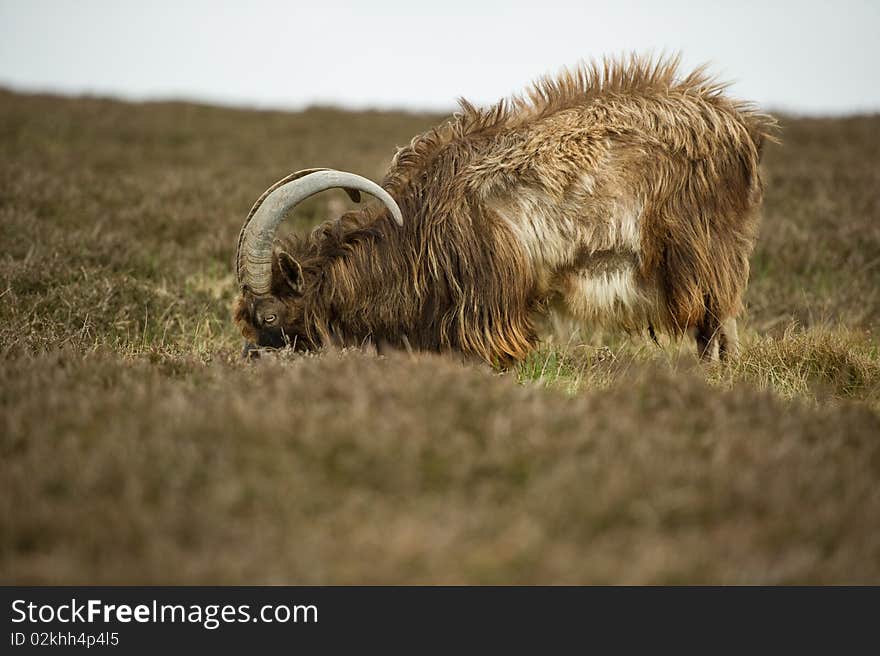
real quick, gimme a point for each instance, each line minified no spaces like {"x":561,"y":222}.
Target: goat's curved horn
{"x":254,"y":256}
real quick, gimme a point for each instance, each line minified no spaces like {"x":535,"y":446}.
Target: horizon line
{"x":235,"y":103}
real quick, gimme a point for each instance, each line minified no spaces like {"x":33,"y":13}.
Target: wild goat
{"x":617,"y":192}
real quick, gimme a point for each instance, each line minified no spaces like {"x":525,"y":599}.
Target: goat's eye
{"x":269,"y":319}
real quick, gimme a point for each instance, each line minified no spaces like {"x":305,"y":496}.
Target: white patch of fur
{"x":548,"y":234}
{"x":588,"y":182}
{"x":624,"y":227}
{"x":605,"y":290}
{"x":554,"y":233}
{"x":608,"y":298}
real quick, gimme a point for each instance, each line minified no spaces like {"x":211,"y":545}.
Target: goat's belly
{"x":606,"y":289}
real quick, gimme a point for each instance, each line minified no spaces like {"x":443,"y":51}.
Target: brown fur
{"x":612,"y":139}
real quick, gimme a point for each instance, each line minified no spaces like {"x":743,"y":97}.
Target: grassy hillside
{"x":136,"y":448}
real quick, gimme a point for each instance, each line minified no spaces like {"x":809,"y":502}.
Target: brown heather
{"x":135,"y":446}
{"x":459,"y":277}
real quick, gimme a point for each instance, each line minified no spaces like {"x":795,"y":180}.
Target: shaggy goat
{"x":617,"y":192}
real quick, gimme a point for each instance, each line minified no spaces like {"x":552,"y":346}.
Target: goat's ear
{"x":354,"y":194}
{"x":291,"y":270}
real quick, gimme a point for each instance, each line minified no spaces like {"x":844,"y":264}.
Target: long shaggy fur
{"x":618,"y":191}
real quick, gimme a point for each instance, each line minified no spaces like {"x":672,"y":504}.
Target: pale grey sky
{"x":808,"y":57}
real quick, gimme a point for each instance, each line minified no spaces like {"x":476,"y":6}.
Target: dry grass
{"x":135,"y":447}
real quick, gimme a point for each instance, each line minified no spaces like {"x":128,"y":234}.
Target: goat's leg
{"x":728,"y":343}
{"x":707,"y":339}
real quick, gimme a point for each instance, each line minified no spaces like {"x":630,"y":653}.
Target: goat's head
{"x":270,"y":307}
